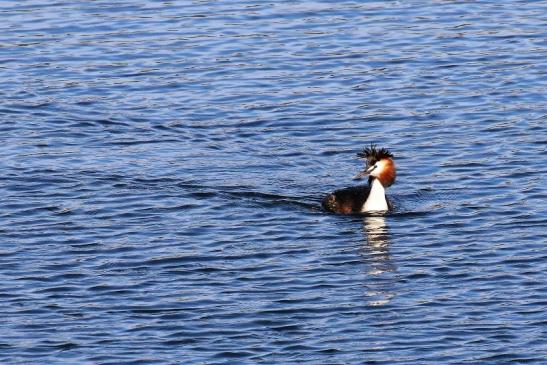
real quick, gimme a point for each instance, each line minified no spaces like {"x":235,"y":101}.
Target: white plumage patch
{"x":376,"y":200}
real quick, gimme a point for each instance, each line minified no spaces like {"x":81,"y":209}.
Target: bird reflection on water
{"x":376,"y":252}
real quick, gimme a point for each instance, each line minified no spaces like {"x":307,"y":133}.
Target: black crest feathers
{"x":373,"y":154}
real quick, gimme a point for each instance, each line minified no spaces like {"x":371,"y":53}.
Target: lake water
{"x":163,"y":164}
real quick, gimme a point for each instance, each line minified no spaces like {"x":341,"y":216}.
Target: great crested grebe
{"x":380,"y":169}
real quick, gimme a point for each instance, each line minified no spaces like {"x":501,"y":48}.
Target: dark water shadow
{"x":421,"y":202}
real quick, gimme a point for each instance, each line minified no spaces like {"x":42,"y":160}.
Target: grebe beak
{"x":360,"y":175}
{"x":364,"y":173}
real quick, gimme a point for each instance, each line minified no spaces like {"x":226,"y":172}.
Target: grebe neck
{"x":376,"y":200}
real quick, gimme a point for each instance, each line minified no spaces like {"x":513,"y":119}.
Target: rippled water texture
{"x":163,"y":164}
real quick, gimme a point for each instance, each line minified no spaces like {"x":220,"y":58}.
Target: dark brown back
{"x":346,"y":201}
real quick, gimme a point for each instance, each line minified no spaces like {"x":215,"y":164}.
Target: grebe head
{"x":379,"y":165}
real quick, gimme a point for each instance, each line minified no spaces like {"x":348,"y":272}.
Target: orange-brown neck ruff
{"x":388,"y":175}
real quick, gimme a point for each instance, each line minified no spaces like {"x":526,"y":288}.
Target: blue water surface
{"x":163,"y":164}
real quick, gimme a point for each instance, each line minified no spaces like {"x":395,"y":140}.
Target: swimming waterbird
{"x":380,"y":169}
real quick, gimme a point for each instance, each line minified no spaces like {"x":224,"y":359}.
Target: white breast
{"x":376,"y":200}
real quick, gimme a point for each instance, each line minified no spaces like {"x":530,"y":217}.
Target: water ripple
{"x":163,"y":166}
